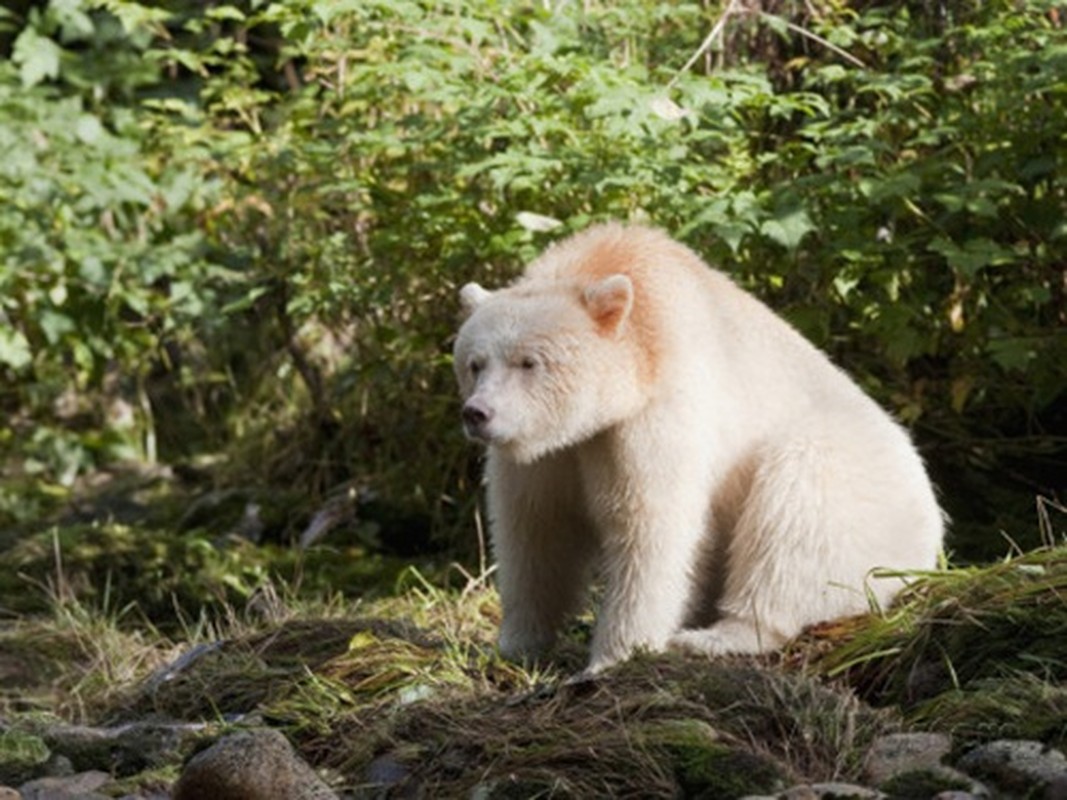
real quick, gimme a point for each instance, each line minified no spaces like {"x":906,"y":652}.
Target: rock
{"x":250,"y":765}
{"x":22,"y":756}
{"x":7,"y":793}
{"x":898,"y":753}
{"x":936,"y":781}
{"x":1018,"y":767}
{"x":386,"y":770}
{"x":124,"y":749}
{"x":823,"y":791}
{"x":81,"y":786}
{"x":1057,"y":790}
{"x":57,"y":766}
{"x":705,"y":766}
{"x":831,"y":791}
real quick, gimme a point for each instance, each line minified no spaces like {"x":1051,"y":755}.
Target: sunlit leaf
{"x":37,"y":57}
{"x":14,"y":349}
{"x":536,"y":222}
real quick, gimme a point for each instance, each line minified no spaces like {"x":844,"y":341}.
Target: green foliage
{"x":101,"y":256}
{"x":239,"y":228}
{"x":173,"y":580}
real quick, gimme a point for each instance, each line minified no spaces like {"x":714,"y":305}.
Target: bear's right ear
{"x":609,"y":302}
{"x":471,"y":296}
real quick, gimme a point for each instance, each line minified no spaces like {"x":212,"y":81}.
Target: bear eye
{"x":528,"y":363}
{"x":476,"y":366}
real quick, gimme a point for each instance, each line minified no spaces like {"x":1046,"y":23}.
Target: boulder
{"x":257,"y":764}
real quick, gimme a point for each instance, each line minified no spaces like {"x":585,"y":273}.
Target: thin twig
{"x":815,"y":37}
{"x":716,"y":32}
{"x":731,"y":10}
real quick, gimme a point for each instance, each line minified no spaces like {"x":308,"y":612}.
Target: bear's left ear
{"x":471,"y":296}
{"x":609,"y":302}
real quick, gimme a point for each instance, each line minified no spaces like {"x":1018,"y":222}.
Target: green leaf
{"x":788,"y":227}
{"x":135,"y":16}
{"x":54,"y":325}
{"x":974,"y":255}
{"x":76,"y":25}
{"x":14,"y":349}
{"x":37,"y":57}
{"x":88,"y":129}
{"x":221,"y":13}
{"x":1012,"y":353}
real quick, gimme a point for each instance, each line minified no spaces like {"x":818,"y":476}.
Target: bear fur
{"x":647,"y":418}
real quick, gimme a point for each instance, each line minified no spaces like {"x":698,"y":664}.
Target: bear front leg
{"x":653,"y":520}
{"x":543,"y":546}
{"x":648,"y":569}
{"x":647,"y":590}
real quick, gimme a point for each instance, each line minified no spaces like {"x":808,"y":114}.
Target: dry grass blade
{"x":956,"y":626}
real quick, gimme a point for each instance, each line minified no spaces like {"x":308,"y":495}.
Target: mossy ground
{"x":396,"y":681}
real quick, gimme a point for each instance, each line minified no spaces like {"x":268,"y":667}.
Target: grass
{"x":404,"y":688}
{"x":955,"y":627}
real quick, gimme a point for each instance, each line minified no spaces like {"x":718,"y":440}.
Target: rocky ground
{"x":260,"y":762}
{"x":238,"y":681}
{"x":381,"y":707}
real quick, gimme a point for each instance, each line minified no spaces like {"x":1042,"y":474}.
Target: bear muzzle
{"x":476,"y":418}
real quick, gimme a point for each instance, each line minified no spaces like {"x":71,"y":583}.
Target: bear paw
{"x":522,"y":646}
{"x":727,"y":637}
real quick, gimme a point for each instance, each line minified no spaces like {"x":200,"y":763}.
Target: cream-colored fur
{"x":647,"y":418}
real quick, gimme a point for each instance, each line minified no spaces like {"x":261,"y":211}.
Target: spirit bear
{"x":648,"y":419}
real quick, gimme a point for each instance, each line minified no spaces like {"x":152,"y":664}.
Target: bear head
{"x":545,"y":365}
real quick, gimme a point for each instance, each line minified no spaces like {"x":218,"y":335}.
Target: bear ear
{"x":471,"y":296}
{"x":609,"y":302}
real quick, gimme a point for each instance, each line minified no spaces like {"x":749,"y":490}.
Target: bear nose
{"x":475,"y":415}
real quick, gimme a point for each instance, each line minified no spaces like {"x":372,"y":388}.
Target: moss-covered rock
{"x":22,"y":756}
{"x":704,"y":765}
{"x":1015,"y":706}
{"x":921,"y":784}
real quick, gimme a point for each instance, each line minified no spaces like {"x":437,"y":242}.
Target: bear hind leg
{"x":788,"y":559}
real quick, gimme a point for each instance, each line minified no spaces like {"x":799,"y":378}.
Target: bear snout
{"x":476,"y":416}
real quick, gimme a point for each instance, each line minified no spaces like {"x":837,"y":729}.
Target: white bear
{"x":646,"y":417}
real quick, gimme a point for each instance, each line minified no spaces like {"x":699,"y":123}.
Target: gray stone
{"x":124,"y":749}
{"x":386,"y":770}
{"x":935,"y":781}
{"x":831,"y":791}
{"x":905,"y":752}
{"x":1057,"y":789}
{"x":81,"y":786}
{"x":255,"y":764}
{"x":1020,"y":767}
{"x":58,"y":766}
{"x":844,"y":791}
